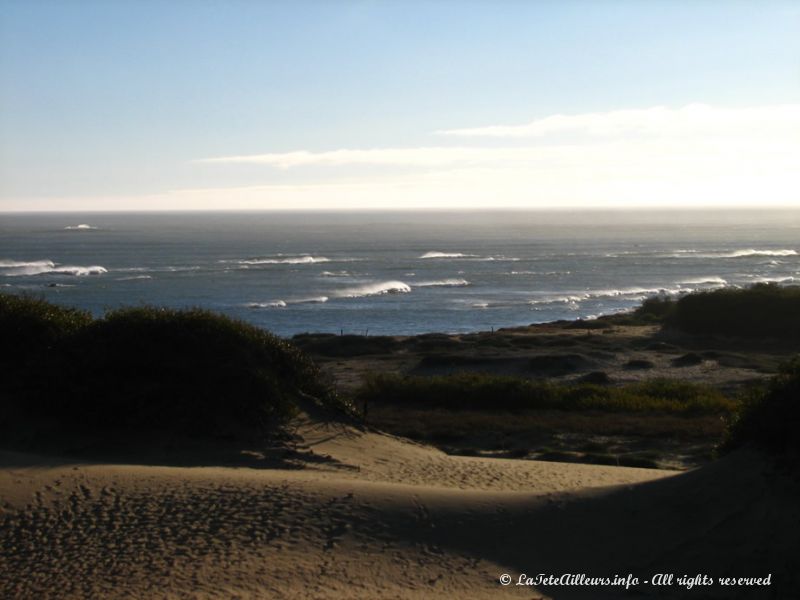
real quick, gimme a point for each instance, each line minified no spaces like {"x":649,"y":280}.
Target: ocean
{"x":393,"y":273}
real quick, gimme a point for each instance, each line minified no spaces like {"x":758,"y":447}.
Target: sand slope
{"x":373,"y":516}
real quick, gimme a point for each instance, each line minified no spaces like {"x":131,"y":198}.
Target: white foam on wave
{"x":745,"y":253}
{"x":753,"y":252}
{"x":285,"y":303}
{"x":79,"y":271}
{"x":541,"y":273}
{"x":273,"y":304}
{"x":289,"y":260}
{"x":13,"y":268}
{"x":436,"y":254}
{"x":711,"y":279}
{"x":461,"y":256}
{"x":13,"y":264}
{"x":375,"y":289}
{"x":637,"y":292}
{"x":335,"y":274}
{"x":314,"y":300}
{"x":133,"y":278}
{"x":81,"y":227}
{"x":160,"y":269}
{"x":498,"y":258}
{"x":787,"y":279}
{"x":443,"y":283}
{"x":567,"y":299}
{"x":633,"y":293}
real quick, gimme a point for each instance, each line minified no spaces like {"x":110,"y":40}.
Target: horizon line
{"x":508,"y":209}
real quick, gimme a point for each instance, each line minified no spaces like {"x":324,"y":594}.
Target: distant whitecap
{"x":375,"y":289}
{"x":443,"y":283}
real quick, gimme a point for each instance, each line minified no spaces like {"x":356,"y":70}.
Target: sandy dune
{"x":371,"y":516}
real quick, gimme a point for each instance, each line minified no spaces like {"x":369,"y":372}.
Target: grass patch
{"x":467,"y":391}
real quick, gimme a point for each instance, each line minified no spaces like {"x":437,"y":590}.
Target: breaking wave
{"x":470,"y":257}
{"x":746,"y":253}
{"x":314,"y":300}
{"x":289,"y":260}
{"x":714,"y":280}
{"x":787,"y":279}
{"x":81,"y":227}
{"x":133,"y":278}
{"x":434,"y":254}
{"x":285,"y":303}
{"x":543,"y":273}
{"x":12,"y":268}
{"x":443,"y":283}
{"x":375,"y":289}
{"x":751,"y":252}
{"x":335,"y":274}
{"x":635,"y":293}
{"x":275,"y":304}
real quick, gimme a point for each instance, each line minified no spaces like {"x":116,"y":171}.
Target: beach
{"x":364,"y":515}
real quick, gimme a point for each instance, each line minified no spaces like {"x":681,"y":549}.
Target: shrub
{"x":158,"y":370}
{"x":655,"y":308}
{"x":30,"y":327}
{"x":763,"y":310}
{"x":770,"y":415}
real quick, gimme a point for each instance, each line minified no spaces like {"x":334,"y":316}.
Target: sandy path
{"x":383,"y":519}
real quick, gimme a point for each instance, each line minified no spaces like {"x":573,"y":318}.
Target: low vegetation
{"x":769,"y":417}
{"x":471,"y":391}
{"x":763,"y":310}
{"x":150,"y":370}
{"x":759,"y":311}
{"x":30,"y":327}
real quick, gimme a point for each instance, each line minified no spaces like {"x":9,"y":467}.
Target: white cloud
{"x":691,"y":156}
{"x":692,"y":120}
{"x":428,"y":157}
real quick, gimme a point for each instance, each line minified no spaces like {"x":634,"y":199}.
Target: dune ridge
{"x":366,"y":515}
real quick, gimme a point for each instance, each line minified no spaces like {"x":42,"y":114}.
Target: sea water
{"x":393,"y":273}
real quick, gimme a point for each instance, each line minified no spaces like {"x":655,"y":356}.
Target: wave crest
{"x":745,"y":253}
{"x":375,"y":289}
{"x":435,"y":254}
{"x":289,"y":260}
{"x":134,"y":278}
{"x":443,"y":283}
{"x":13,"y":268}
{"x":275,"y":304}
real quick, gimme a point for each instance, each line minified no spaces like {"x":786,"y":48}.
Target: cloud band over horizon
{"x":695,"y":155}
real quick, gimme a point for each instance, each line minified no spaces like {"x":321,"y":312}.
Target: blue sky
{"x":118,"y":105}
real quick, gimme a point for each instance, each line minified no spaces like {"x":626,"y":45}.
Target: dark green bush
{"x":760,"y":311}
{"x":655,"y":308}
{"x":770,"y":415}
{"x":30,"y":327}
{"x":470,"y":391}
{"x":149,"y":369}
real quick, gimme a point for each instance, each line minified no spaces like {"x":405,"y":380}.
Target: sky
{"x":386,"y":105}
